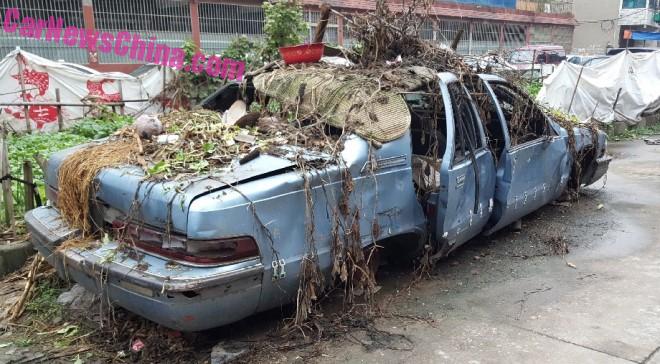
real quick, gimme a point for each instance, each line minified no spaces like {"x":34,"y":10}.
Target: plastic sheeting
{"x":76,"y":83}
{"x":637,"y":75}
{"x":639,"y":35}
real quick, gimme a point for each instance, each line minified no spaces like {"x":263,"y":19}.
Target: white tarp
{"x":76,"y":83}
{"x":636,"y":75}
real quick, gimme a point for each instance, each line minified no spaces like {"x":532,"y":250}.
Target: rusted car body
{"x":256,"y":212}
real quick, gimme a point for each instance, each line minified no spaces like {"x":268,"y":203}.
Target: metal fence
{"x":169,"y":21}
{"x":478,"y":37}
{"x":447,"y":31}
{"x":220,"y":23}
{"x":71,"y":13}
{"x":485,"y":37}
{"x":166,"y":20}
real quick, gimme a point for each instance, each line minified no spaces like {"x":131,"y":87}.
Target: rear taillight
{"x":51,"y":195}
{"x":178,"y":247}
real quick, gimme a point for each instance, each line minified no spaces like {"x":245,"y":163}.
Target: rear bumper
{"x":176,"y":296}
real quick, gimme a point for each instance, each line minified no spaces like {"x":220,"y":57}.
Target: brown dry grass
{"x":76,"y":242}
{"x":78,"y":171}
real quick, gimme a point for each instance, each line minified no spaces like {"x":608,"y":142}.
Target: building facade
{"x":488,"y":25}
{"x":597,"y":26}
{"x":640,"y":15}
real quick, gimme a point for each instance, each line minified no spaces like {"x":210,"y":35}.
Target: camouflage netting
{"x":342,"y":100}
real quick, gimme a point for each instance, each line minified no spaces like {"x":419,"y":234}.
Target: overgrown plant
{"x":284,"y":26}
{"x":102,"y":125}
{"x":533,"y":88}
{"x":244,"y":49}
{"x":188,"y":88}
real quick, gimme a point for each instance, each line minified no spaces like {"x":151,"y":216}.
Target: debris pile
{"x":389,"y":38}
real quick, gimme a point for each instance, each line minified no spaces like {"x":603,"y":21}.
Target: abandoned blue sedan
{"x":217,"y":248}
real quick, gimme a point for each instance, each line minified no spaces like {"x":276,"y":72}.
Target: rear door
{"x":467,"y":172}
{"x":535,"y":165}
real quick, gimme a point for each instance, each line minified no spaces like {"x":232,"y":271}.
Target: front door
{"x":467,"y":173}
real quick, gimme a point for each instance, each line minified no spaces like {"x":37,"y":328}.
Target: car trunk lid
{"x":124,"y":192}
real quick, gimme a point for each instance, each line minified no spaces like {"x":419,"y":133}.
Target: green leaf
{"x":68,"y":330}
{"x":158,"y":168}
{"x":208,"y":147}
{"x":200,"y":165}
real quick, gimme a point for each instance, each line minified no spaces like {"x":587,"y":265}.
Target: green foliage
{"x":159,"y":168}
{"x":283,"y":26}
{"x":533,"y":88}
{"x":43,"y":304}
{"x":22,"y":147}
{"x":191,"y":87}
{"x":634,"y":133}
{"x":243,"y":49}
{"x":101,"y":126}
{"x":274,"y":106}
{"x":24,"y":342}
{"x":562,"y":117}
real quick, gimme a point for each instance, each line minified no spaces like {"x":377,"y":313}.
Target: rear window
{"x":521,"y":56}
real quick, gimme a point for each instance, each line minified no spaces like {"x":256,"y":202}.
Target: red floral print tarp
{"x":77,"y":84}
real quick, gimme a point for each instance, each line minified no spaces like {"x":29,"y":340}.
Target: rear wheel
{"x":402,"y":249}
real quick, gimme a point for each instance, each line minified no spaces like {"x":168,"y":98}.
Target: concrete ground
{"x":506,"y":299}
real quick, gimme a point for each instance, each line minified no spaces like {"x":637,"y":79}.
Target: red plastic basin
{"x":304,"y":53}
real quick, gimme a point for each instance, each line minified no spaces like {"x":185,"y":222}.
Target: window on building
{"x":514,"y":36}
{"x":331,"y":31}
{"x":231,"y":19}
{"x":485,"y":37}
{"x":634,"y":4}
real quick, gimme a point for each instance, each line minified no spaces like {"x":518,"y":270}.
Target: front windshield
{"x":521,"y":56}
